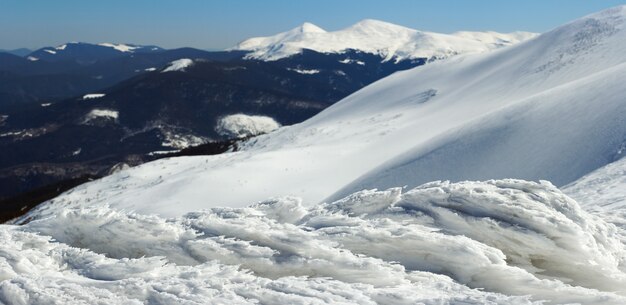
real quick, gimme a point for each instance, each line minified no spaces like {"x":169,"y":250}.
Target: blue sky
{"x":217,"y":24}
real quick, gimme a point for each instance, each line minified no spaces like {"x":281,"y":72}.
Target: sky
{"x":219,"y":24}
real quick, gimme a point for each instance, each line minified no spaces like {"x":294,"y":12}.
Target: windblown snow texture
{"x":434,"y":244}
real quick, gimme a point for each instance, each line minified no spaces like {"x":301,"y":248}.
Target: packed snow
{"x":372,"y":36}
{"x":91,"y":96}
{"x":242,"y":125}
{"x":178,"y":65}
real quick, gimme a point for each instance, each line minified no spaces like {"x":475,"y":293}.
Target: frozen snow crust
{"x":434,"y":244}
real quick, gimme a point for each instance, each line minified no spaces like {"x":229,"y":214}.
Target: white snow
{"x":305,"y":71}
{"x":372,"y":36}
{"x":46,"y":104}
{"x":120,"y":47}
{"x":180,"y":140}
{"x":351,"y":61}
{"x":178,"y":65}
{"x":32,"y":58}
{"x":93,"y":96}
{"x":150,"y":69}
{"x":101,"y":113}
{"x":242,"y":125}
{"x":604,"y":188}
{"x":50,"y":51}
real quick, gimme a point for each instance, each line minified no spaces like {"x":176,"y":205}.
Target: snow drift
{"x":436,"y":243}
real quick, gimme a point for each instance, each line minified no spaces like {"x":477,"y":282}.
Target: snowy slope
{"x":377,"y":37}
{"x":550,"y":108}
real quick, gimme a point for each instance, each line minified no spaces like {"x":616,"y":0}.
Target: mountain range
{"x":78,"y":109}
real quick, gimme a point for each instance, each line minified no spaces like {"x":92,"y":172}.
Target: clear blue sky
{"x":217,"y":24}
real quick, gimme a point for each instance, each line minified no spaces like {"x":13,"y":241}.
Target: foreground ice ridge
{"x":494,"y":242}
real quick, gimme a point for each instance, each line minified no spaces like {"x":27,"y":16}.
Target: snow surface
{"x":242,"y":125}
{"x":53,"y":52}
{"x":372,"y":36}
{"x":604,"y":188}
{"x":437,"y":243}
{"x":178,"y":65}
{"x":93,"y":96}
{"x":32,"y":58}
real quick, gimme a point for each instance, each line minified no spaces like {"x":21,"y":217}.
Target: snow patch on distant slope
{"x":377,"y":37}
{"x":178,"y":65}
{"x":120,"y":47}
{"x":304,"y":71}
{"x":96,"y":114}
{"x":91,"y":96}
{"x":242,"y":125}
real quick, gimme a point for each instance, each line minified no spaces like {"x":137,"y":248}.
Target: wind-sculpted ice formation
{"x":494,"y":242}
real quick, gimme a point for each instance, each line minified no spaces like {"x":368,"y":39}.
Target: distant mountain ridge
{"x":377,"y":37}
{"x":87,"y":53}
{"x":18,"y":52}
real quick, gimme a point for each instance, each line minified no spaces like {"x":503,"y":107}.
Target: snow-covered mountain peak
{"x":373,"y":26}
{"x":308,"y":27}
{"x":376,"y":37}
